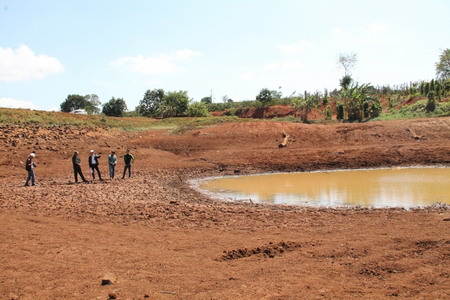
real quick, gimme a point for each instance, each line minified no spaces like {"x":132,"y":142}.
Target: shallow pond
{"x":397,"y":187}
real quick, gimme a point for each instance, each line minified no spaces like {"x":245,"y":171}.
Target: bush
{"x":74,"y":102}
{"x":431,"y":104}
{"x":340,"y":112}
{"x":329,"y":113}
{"x":151,"y":102}
{"x":265,"y":97}
{"x":197,"y":109}
{"x":177,"y":101}
{"x":418,"y":110}
{"x":115,"y":107}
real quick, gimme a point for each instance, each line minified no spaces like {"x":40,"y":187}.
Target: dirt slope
{"x":163,"y":240}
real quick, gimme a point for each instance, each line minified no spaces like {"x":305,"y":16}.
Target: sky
{"x":52,"y":48}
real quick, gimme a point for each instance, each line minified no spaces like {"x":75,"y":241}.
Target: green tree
{"x":329,"y":113}
{"x":426,"y":88}
{"x":345,"y":81}
{"x":265,"y":97}
{"x":165,"y":111}
{"x":74,"y":102}
{"x":206,"y":100}
{"x":358,"y":101}
{"x":174,"y":104}
{"x":438,"y":90}
{"x":422,"y":88}
{"x":93,"y":104}
{"x":431,"y":103}
{"x":197,"y":109}
{"x":306,"y":105}
{"x":340,"y":112}
{"x":149,"y":105}
{"x":115,"y":107}
{"x":443,"y":65}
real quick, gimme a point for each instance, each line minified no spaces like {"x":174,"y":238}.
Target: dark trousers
{"x":76,"y":171}
{"x":125,"y":170}
{"x":30,"y":176}
{"x":93,"y":168}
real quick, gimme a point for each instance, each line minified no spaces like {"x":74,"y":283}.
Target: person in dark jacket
{"x":29,"y":166}
{"x":76,"y":161}
{"x":93,"y":164}
{"x":128,"y":159}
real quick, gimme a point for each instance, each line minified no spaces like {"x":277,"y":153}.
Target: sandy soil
{"x":161,"y":239}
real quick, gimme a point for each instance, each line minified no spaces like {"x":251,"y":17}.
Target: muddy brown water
{"x":397,"y":187}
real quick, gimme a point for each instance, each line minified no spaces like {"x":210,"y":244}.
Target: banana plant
{"x":359,"y":102}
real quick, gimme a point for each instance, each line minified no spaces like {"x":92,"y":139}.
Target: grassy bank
{"x":417,"y":110}
{"x":45,"y":118}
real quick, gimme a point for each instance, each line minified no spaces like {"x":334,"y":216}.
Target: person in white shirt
{"x":93,"y":164}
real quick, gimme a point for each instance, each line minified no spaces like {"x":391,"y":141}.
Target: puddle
{"x":397,"y":187}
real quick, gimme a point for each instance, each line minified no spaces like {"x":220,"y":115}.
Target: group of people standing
{"x":93,"y":163}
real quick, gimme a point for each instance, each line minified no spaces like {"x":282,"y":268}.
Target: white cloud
{"x":161,"y":64}
{"x":296,"y":47}
{"x":23,"y":64}
{"x":186,"y":53}
{"x":14,"y":103}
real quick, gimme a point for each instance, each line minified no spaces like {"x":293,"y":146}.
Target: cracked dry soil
{"x":162,"y":240}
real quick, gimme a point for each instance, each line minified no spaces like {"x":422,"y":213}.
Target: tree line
{"x":353,"y":101}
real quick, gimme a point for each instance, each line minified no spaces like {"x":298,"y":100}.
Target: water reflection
{"x":406,"y":187}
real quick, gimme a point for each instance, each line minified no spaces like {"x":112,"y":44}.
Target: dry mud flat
{"x":154,"y":237}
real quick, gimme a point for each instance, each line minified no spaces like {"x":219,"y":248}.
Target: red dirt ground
{"x":163,"y":240}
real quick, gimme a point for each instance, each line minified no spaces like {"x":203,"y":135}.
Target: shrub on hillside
{"x":115,"y":107}
{"x":197,"y":109}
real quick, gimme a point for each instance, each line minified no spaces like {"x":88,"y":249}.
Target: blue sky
{"x":50,"y":49}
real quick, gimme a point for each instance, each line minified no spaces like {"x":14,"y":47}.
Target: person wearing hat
{"x":93,"y":164}
{"x":112,"y":161}
{"x":76,"y":161}
{"x":29,"y":166}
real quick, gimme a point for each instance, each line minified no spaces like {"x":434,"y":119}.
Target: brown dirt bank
{"x":163,"y":240}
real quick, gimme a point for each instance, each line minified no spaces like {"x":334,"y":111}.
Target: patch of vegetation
{"x":418,"y":110}
{"x":45,"y":118}
{"x":182,"y":125}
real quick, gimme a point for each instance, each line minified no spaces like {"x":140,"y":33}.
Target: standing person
{"x":29,"y":166}
{"x":112,"y":160}
{"x":128,"y":159}
{"x":93,"y":164}
{"x":76,"y":161}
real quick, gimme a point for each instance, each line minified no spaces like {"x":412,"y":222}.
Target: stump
{"x":285,"y":140}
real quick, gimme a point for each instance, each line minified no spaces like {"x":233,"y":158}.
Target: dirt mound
{"x":269,"y":250}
